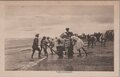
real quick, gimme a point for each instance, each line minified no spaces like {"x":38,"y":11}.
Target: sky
{"x":24,"y":21}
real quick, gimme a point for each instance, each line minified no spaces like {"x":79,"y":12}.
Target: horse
{"x":91,"y":40}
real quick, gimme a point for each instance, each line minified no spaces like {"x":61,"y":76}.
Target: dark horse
{"x":91,"y":41}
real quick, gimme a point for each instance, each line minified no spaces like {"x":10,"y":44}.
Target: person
{"x":50,"y":44}
{"x":44,"y":46}
{"x":78,"y":45}
{"x":60,"y":48}
{"x":35,"y":46}
{"x":103,"y":40}
{"x":88,"y":39}
{"x":68,"y":47}
{"x":68,"y":43}
{"x":93,"y":40}
{"x":99,"y":34}
{"x":69,"y":34}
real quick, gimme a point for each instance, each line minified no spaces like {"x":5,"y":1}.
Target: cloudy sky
{"x":51,"y":20}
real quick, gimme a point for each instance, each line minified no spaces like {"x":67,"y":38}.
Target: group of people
{"x":42,"y":45}
{"x":94,"y":39}
{"x":66,"y":44}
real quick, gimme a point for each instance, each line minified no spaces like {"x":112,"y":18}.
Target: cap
{"x":67,"y":28}
{"x":37,"y":35}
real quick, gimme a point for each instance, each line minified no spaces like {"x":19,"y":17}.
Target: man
{"x":69,"y":34}
{"x":78,"y":45}
{"x":44,"y":46}
{"x":35,"y":46}
{"x":50,"y":44}
{"x":68,"y":43}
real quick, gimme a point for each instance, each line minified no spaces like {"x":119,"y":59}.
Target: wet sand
{"x":18,"y":56}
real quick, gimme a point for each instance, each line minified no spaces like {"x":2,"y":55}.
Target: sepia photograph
{"x":59,"y":37}
{"x":62,"y":37}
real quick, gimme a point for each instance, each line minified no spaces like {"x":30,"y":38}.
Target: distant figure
{"x":103,"y":40}
{"x":95,"y":40}
{"x":109,"y":35}
{"x":91,"y":40}
{"x":35,"y":46}
{"x":44,"y":46}
{"x":98,"y":37}
{"x":83,"y":37}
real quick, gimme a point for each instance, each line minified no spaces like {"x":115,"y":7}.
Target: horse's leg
{"x":95,"y":42}
{"x":88,"y":43}
{"x":104,"y":43}
{"x":101,"y":43}
{"x":92,"y":42}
